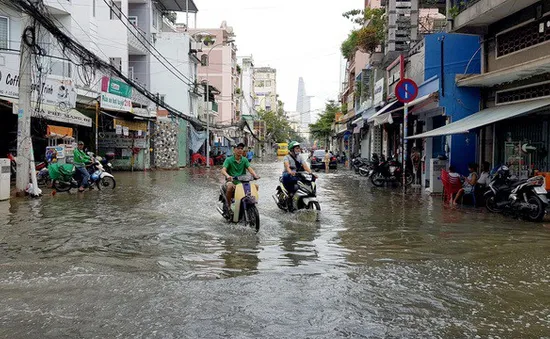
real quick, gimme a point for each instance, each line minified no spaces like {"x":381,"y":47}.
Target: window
{"x":131,"y":72}
{"x":517,"y":39}
{"x":93,"y":8}
{"x":260,"y":83}
{"x":155,"y":17}
{"x":116,"y":12}
{"x":161,"y":98}
{"x":116,"y":62}
{"x":204,"y":60}
{"x":133,"y":20}
{"x":537,"y":91}
{"x":4,"y":32}
{"x":268,"y":83}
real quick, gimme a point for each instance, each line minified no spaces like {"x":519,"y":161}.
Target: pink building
{"x":220,"y":70}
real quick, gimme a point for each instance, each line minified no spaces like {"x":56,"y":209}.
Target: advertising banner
{"x":115,"y":102}
{"x":53,"y":90}
{"x":116,"y":87}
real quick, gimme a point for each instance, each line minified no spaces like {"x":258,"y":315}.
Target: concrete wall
{"x":174,"y":47}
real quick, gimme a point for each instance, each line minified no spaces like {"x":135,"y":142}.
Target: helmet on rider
{"x":293,"y":144}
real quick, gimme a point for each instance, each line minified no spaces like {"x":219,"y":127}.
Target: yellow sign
{"x":131,"y":125}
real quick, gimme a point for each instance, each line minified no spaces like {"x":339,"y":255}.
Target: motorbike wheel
{"x":409,"y":178}
{"x":106,"y":183}
{"x":314,"y":205}
{"x":364,"y":172}
{"x":281,"y":201}
{"x":377,"y":179}
{"x":253,"y":217}
{"x":538,"y":213}
{"x":61,"y":186}
{"x":491,"y":204}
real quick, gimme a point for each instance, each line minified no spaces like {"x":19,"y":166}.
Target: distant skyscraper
{"x":303,"y":104}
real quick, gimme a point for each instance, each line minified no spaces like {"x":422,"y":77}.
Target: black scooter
{"x":525,"y":198}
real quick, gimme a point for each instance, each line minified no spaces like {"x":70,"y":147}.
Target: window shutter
{"x":4,"y":37}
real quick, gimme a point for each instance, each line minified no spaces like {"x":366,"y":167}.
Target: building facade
{"x":265,"y":89}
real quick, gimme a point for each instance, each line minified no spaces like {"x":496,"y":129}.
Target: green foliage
{"x":208,"y":40}
{"x":349,"y":46}
{"x":323,"y":127}
{"x":454,"y":11}
{"x":277,"y":126}
{"x":239,"y":70}
{"x":368,"y":37}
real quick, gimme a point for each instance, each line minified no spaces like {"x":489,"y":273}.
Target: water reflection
{"x":155,"y":259}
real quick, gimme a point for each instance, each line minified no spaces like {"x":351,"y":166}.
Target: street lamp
{"x":208,"y":99}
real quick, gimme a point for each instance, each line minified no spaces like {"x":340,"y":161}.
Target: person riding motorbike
{"x":81,"y":159}
{"x":235,"y":166}
{"x":293,"y":163}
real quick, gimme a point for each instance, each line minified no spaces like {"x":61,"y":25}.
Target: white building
{"x":246,"y":63}
{"x":265,"y":89}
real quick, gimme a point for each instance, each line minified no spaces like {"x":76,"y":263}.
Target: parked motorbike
{"x":304,"y":198}
{"x":525,"y":198}
{"x":13,"y":165}
{"x":244,"y":207}
{"x":357,"y":163}
{"x":368,"y":169}
{"x":390,"y":171}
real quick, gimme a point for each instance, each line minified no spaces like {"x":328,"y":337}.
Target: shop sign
{"x":54,"y":113}
{"x":115,"y":102}
{"x":131,"y":125}
{"x":116,"y":87}
{"x":112,"y":140}
{"x":55,"y":91}
{"x":378,"y":92}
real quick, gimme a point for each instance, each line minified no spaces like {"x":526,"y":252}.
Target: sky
{"x":297,"y":37}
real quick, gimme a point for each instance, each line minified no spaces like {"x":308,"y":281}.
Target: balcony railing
{"x":137,"y":39}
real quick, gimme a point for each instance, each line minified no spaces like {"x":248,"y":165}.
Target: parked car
{"x":317,"y":160}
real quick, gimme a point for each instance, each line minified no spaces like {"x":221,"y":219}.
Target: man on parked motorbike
{"x":235,"y":166}
{"x":81,"y":159}
{"x":293,"y":163}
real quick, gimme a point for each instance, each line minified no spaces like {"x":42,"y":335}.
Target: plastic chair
{"x":451,"y":186}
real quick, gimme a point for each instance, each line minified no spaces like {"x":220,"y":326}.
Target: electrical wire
{"x":88,"y":57}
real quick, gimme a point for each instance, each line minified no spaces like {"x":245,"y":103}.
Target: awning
{"x":59,"y":132}
{"x":178,"y":5}
{"x":517,"y":72}
{"x":485,"y":117}
{"x":357,"y":121}
{"x":421,"y":99}
{"x":70,"y":116}
{"x":383,"y":110}
{"x":360,"y":125}
{"x":382,"y":119}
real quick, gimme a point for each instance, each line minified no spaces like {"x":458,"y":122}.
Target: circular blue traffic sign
{"x":406,"y":90}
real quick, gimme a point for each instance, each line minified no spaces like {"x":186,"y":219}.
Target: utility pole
{"x":24,"y":113}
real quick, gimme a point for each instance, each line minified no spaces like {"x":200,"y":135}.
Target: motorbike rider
{"x":81,"y":159}
{"x":293,"y":163}
{"x":234,"y":166}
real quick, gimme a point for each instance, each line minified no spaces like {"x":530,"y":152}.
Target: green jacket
{"x":80,"y":158}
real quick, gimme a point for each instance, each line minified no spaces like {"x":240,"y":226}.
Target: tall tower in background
{"x":303,"y":104}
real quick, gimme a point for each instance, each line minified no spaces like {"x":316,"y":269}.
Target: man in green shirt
{"x":80,"y":160}
{"x":235,"y":166}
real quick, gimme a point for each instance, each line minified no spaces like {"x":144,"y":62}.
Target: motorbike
{"x":304,"y":198}
{"x":244,"y":207}
{"x":368,"y":169}
{"x":526,"y":198}
{"x":357,"y":163}
{"x":64,"y":176}
{"x":390,"y":171}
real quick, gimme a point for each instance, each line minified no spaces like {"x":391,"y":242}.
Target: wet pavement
{"x":154,"y":259}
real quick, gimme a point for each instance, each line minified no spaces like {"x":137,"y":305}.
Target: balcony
{"x":179,"y":5}
{"x":137,"y":41}
{"x":57,"y":7}
{"x":470,"y":16}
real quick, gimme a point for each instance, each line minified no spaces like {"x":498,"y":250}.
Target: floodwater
{"x":153,"y":259}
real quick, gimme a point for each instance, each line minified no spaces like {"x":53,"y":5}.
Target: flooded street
{"x":154,"y":259}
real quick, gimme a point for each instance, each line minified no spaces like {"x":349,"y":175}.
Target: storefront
{"x":126,"y":140}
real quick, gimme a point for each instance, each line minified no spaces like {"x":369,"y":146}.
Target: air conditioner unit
{"x":196,"y":46}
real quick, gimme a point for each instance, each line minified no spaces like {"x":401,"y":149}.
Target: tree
{"x":278,"y":128}
{"x":369,"y":36}
{"x":323,"y":127}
